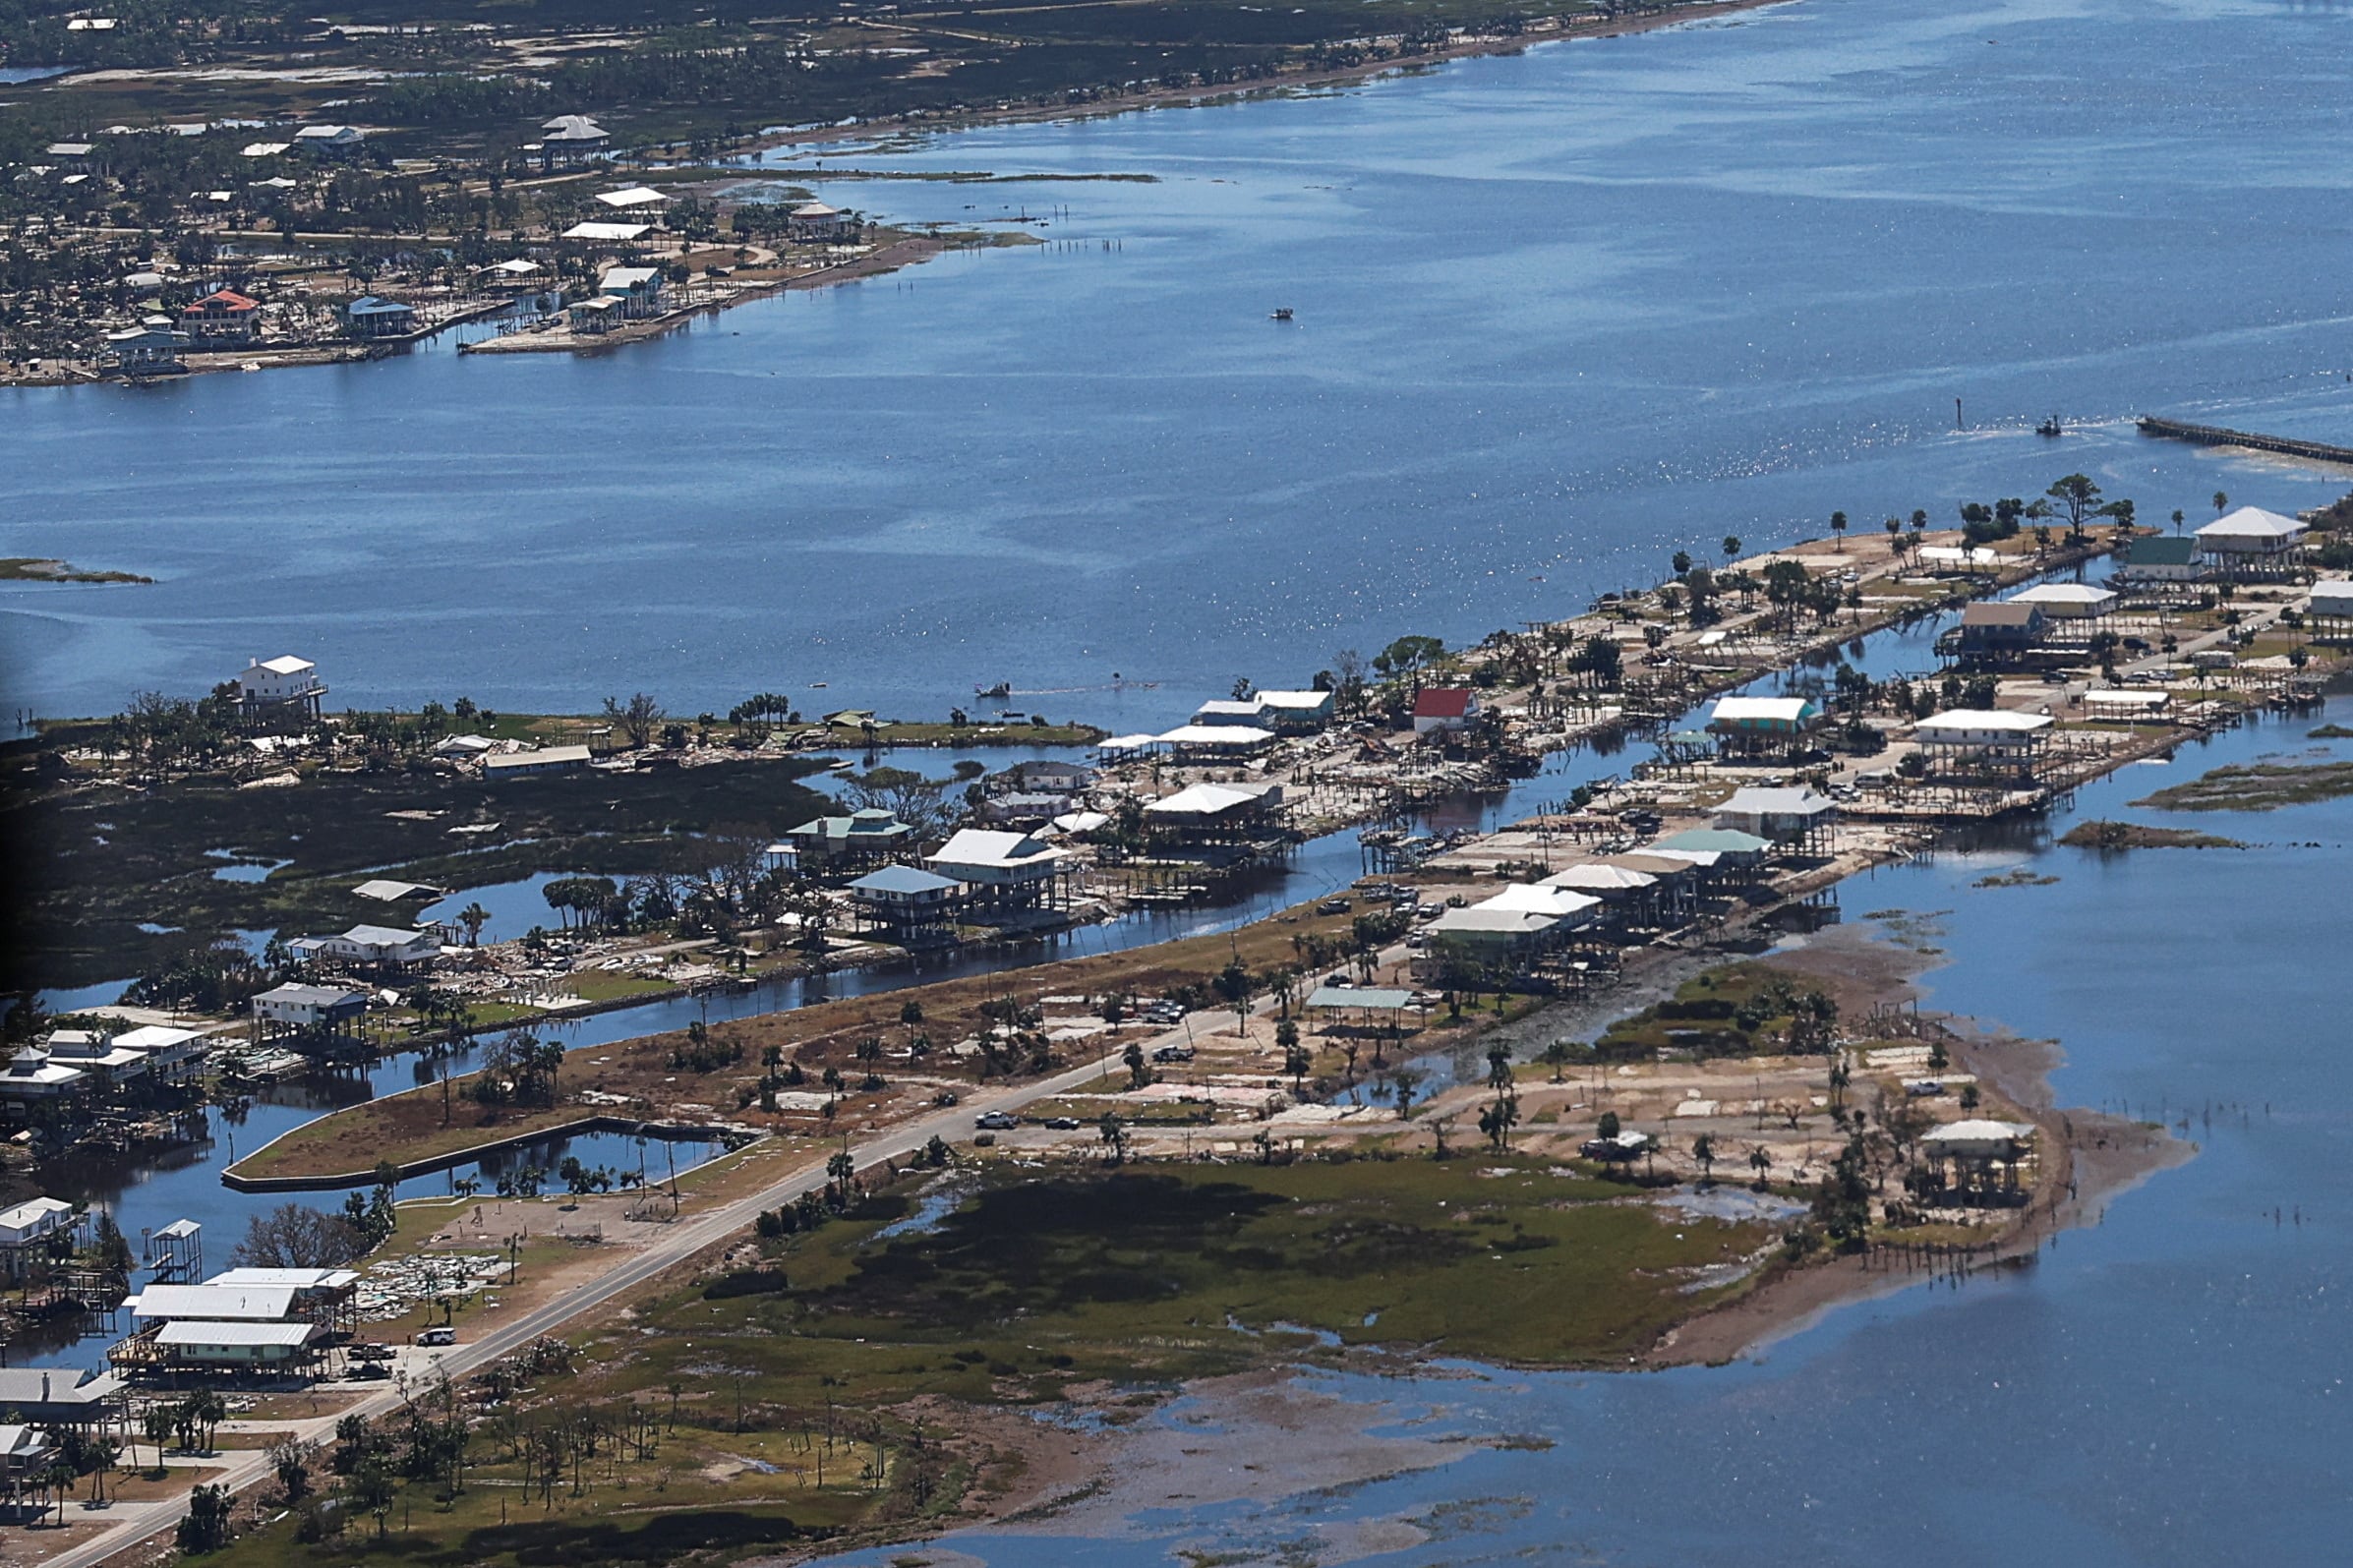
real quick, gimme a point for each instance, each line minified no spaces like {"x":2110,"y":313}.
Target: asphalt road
{"x":132,"y":1523}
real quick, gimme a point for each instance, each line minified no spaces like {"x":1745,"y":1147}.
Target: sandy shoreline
{"x":2087,"y":1159}
{"x":1597,"y":27}
{"x":1259,"y":1437}
{"x":912,"y":251}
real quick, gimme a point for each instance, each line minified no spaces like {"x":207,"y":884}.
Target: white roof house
{"x":978,"y":854}
{"x":33,"y":1219}
{"x":1774,"y":812}
{"x":1981,"y":1139}
{"x":1492,"y":929}
{"x":265,"y":149}
{"x":60,"y":1395}
{"x":634,"y":196}
{"x":2333,"y":598}
{"x":2250,"y":531}
{"x":2068,"y":601}
{"x":617,"y":233}
{"x":1536,"y":898}
{"x":292,"y":1279}
{"x":1780,"y":714}
{"x":1979,"y":727}
{"x":1229,"y":711}
{"x":197,"y":1340}
{"x":1216,"y":738}
{"x":309,"y":1006}
{"x":1204,"y":801}
{"x":32,"y":1075}
{"x":1606,"y":881}
{"x":284,"y":679}
{"x":241,"y":1303}
{"x":1296,"y":707}
{"x":573,"y":129}
{"x":629,"y":279}
{"x":156,"y":1038}
{"x":548,"y":759}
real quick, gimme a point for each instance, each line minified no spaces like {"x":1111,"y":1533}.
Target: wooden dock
{"x":2216,"y":436}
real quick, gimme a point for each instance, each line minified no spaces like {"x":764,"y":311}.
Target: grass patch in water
{"x":2255,"y":787}
{"x":2103,"y":834}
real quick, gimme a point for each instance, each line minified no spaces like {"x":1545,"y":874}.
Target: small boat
{"x":1003,"y":689}
{"x":2050,"y":426}
{"x":816,"y":685}
{"x":1282,"y":313}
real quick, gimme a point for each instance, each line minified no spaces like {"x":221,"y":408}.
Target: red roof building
{"x":223,"y":317}
{"x":1443,"y":708}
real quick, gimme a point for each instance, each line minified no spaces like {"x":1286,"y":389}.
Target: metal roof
{"x":1724,"y":841}
{"x":1535,"y":898}
{"x":294,"y":994}
{"x":1757,"y":800}
{"x":1966,"y":719}
{"x":978,"y":846}
{"x":904,"y":880}
{"x":249,"y":1303}
{"x":63,"y":1385}
{"x":1764,"y":709}
{"x":1359,"y":996}
{"x":298,"y":1279}
{"x":1209,"y":800}
{"x":2064,"y":593}
{"x":185,"y":1332}
{"x":1217,"y":735}
{"x":2252,"y":522}
{"x":1606,"y":879}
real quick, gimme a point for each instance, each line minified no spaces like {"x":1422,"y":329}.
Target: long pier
{"x":2216,"y":436}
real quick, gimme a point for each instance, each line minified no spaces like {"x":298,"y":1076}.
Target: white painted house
{"x":280,"y":682}
{"x":2252,"y":542}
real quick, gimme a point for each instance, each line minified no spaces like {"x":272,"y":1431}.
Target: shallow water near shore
{"x":1559,"y":315}
{"x":2165,"y":1386}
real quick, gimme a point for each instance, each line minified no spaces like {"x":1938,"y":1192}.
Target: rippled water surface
{"x":1558,"y":316}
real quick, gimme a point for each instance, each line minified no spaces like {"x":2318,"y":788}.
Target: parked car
{"x":1063,"y":1124}
{"x":437,"y":1336}
{"x":1173,"y":1053}
{"x":999,"y":1121}
{"x":944,"y":1097}
{"x":1333,"y":906}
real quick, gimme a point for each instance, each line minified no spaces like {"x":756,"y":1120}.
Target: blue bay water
{"x":2167,"y":1386}
{"x":1559,"y":315}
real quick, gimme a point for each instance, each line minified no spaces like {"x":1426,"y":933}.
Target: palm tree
{"x":2221,"y":501}
{"x":1703,"y":1149}
{"x":473,"y":918}
{"x":1837,"y":525}
{"x":1407,"y":1081}
{"x":1731,"y":547}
